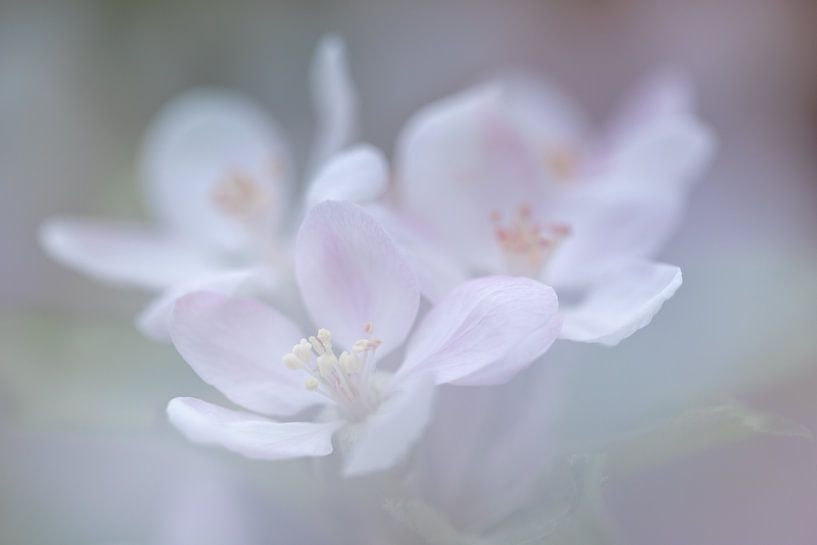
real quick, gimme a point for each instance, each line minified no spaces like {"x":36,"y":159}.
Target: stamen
{"x":526,"y":244}
{"x":239,"y":196}
{"x":345,"y":379}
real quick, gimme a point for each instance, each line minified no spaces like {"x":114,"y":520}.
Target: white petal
{"x":461,"y":160}
{"x":436,"y":272}
{"x":334,"y":100}
{"x":484,"y":331}
{"x":608,"y":225}
{"x":621,"y":303}
{"x":662,"y":153}
{"x":387,"y":435}
{"x":248,"y":434}
{"x":664,"y":92}
{"x":154,"y":321}
{"x":122,"y":253}
{"x":657,"y":141}
{"x":358,"y":174}
{"x":236,"y":345}
{"x":202,"y":139}
{"x":351,"y":273}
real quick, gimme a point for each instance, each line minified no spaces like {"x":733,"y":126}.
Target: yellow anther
{"x":303,"y":350}
{"x":292,"y":361}
{"x":311,"y":384}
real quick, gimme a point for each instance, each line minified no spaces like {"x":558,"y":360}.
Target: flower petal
{"x":608,"y":225}
{"x":387,"y":435}
{"x":436,"y":272}
{"x":484,"y":331}
{"x":154,"y":321}
{"x":459,"y":162}
{"x":236,"y":345}
{"x":358,"y":174}
{"x":201,"y":141}
{"x":351,"y":273}
{"x":334,"y":100}
{"x":248,"y":434}
{"x":622,"y":303}
{"x":657,"y":141}
{"x":122,"y":253}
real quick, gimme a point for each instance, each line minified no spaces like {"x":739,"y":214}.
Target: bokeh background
{"x":85,"y":453}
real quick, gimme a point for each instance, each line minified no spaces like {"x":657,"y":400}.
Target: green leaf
{"x":692,"y":432}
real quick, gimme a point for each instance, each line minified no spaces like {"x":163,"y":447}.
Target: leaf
{"x":692,"y":432}
{"x":580,"y":518}
{"x":426,"y":523}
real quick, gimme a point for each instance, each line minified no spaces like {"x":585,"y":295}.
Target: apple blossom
{"x":505,"y":179}
{"x":217,"y":177}
{"x":359,"y":289}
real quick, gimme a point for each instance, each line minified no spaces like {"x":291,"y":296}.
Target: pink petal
{"x":248,"y":434}
{"x":236,"y":345}
{"x":154,"y":321}
{"x":334,"y":99}
{"x":621,"y":303}
{"x":350,"y":273}
{"x":608,"y":225}
{"x":122,"y":253}
{"x":358,"y":174}
{"x":387,"y":435}
{"x":484,"y":331}
{"x":205,"y":138}
{"x":657,"y":141}
{"x":461,"y":160}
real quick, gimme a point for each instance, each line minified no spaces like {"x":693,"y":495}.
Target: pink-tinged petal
{"x":436,"y":272}
{"x":154,"y":321}
{"x":608,"y":225}
{"x":206,"y":151}
{"x":484,"y":332}
{"x":460,"y":162}
{"x":384,"y":438}
{"x":664,"y":92}
{"x":663,"y":153}
{"x":621,"y":302}
{"x":122,"y":253}
{"x":549,"y":117}
{"x":351,"y":274}
{"x":334,"y":99}
{"x":657,"y":141}
{"x":236,"y":345}
{"x":358,"y":174}
{"x":250,"y":435}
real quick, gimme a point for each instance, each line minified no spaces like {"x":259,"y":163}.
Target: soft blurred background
{"x":85,"y":453}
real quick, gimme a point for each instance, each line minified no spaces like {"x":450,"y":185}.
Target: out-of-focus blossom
{"x":507,"y":178}
{"x":353,"y":280}
{"x":218,"y":178}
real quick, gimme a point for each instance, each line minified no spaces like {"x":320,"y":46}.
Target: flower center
{"x":345,"y":379}
{"x":240,"y":197}
{"x":526,"y":244}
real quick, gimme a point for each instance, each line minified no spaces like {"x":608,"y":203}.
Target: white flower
{"x":356,"y":286}
{"x":218,"y":179}
{"x":504,"y":178}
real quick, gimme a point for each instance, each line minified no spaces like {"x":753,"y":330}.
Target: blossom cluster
{"x":329,"y":308}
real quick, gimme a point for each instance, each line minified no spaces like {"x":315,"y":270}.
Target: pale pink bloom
{"x":359,"y":289}
{"x":507,"y":178}
{"x":218,"y":179}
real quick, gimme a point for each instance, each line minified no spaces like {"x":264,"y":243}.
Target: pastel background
{"x":86,"y":455}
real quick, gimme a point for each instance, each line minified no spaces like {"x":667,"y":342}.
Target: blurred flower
{"x":354,"y":280}
{"x":504,"y":178}
{"x":217,"y":176}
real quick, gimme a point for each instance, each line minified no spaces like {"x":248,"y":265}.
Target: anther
{"x":292,"y":361}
